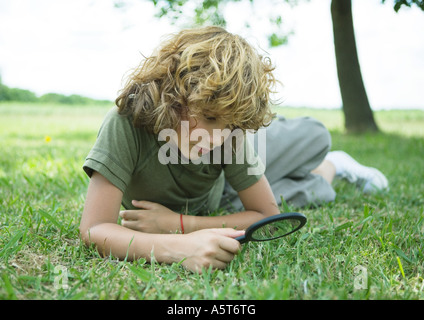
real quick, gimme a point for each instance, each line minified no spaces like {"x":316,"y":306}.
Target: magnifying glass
{"x":273,"y":227}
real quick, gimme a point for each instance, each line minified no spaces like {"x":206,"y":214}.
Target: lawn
{"x":359,"y":247}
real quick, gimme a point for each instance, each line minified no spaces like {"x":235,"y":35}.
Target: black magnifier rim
{"x":278,"y":217}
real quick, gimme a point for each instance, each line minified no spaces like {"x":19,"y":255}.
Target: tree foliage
{"x":22,"y":95}
{"x":15,"y":94}
{"x":211,"y":12}
{"x":408,"y":3}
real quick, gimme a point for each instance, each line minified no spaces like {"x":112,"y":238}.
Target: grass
{"x":359,"y":247}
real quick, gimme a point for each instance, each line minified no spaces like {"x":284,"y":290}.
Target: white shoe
{"x":367,"y":178}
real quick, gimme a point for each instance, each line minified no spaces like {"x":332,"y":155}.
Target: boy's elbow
{"x":92,"y":234}
{"x":84,"y":234}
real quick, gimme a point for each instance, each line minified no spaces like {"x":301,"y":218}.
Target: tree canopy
{"x":399,"y":3}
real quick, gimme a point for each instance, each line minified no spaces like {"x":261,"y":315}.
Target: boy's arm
{"x":98,"y":225}
{"x":258,"y":201}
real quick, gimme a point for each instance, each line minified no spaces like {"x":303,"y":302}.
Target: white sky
{"x":86,"y":46}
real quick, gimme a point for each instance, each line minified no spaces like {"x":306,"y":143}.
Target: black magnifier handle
{"x":242,"y":239}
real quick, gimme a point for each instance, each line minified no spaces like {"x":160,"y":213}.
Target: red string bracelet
{"x":182,"y":226}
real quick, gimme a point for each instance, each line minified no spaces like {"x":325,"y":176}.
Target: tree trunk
{"x":356,"y":108}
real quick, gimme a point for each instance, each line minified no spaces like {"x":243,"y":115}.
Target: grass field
{"x":359,"y":247}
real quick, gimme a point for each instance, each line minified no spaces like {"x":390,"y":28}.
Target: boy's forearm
{"x":239,"y":221}
{"x":123,"y":243}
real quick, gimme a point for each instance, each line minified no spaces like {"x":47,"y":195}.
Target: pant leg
{"x":294,"y":147}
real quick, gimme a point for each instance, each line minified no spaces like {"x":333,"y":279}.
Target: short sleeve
{"x":115,"y":152}
{"x":245,"y":169}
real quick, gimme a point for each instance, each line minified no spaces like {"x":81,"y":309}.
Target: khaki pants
{"x":294,"y":147}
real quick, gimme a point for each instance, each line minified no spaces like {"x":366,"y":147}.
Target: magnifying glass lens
{"x":276,"y":229}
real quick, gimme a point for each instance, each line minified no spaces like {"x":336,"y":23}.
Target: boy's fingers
{"x":227,"y":243}
{"x":225,"y":255}
{"x":133,"y":214}
{"x":229,"y":232}
{"x":143,"y":204}
{"x":129,"y":214}
{"x":129,"y":224}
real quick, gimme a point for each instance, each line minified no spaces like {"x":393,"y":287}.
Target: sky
{"x":87,"y":47}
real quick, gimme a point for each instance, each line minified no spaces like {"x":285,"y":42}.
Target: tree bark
{"x":356,"y":108}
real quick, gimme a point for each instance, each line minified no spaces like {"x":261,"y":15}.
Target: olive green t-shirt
{"x":128,"y":157}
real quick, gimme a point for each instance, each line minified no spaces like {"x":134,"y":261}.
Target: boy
{"x":159,"y":155}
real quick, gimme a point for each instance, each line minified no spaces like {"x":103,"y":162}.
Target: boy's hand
{"x":210,"y":248}
{"x":200,"y":249}
{"x":152,"y":218}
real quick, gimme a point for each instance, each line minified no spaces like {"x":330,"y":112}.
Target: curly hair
{"x":196,"y":72}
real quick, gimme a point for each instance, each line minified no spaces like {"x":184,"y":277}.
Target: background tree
{"x":356,"y":107}
{"x":357,"y":111}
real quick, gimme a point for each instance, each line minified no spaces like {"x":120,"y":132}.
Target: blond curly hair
{"x":196,"y":72}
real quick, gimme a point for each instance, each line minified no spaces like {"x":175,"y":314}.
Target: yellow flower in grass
{"x":47,"y":139}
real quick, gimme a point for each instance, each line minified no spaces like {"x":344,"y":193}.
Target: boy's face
{"x":199,"y":135}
